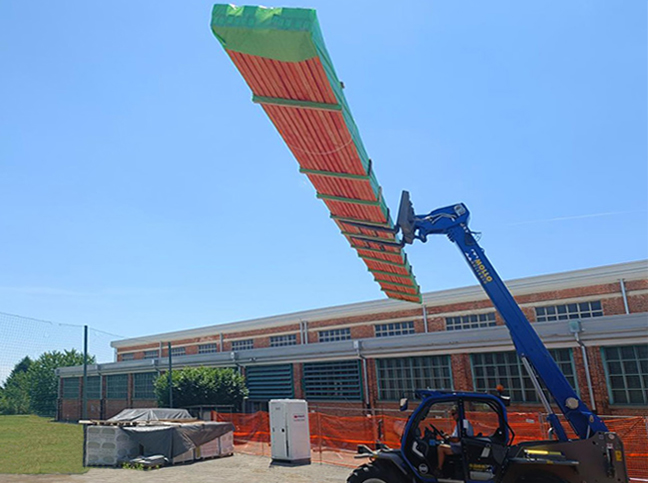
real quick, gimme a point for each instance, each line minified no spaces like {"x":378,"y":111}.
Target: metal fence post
{"x":84,"y":410}
{"x":319,"y":434}
{"x":170,"y":376}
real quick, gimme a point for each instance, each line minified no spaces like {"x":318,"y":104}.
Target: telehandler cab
{"x":491,"y":454}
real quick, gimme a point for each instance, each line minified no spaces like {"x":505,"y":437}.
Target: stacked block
{"x":108,"y":446}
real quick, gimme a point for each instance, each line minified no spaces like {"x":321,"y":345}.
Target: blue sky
{"x":142,"y":191}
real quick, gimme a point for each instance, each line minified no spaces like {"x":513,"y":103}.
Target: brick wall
{"x":461,"y":372}
{"x":114,"y":406}
{"x":70,"y":410}
{"x":363,"y":327}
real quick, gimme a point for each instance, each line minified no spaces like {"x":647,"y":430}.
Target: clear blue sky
{"x":142,"y":191}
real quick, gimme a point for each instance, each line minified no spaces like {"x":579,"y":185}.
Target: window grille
{"x":143,"y":385}
{"x":340,"y":380}
{"x":394,"y":328}
{"x":152,"y":354}
{"x":178,"y":351}
{"x":506,"y":368}
{"x":400,"y":377}
{"x":283,"y":340}
{"x":117,"y":386}
{"x":626,"y":370}
{"x":269,"y":382}
{"x":242,"y":345}
{"x":473,"y":321}
{"x":70,"y":388}
{"x":207,"y":348}
{"x":129,"y":356}
{"x":582,"y":310}
{"x":334,"y":335}
{"x":93,"y":390}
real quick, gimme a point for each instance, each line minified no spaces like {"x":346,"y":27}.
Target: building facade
{"x":366,"y":356}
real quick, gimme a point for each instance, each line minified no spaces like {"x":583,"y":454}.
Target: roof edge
{"x":556,"y":281}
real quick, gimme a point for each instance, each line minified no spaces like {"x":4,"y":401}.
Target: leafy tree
{"x":209,"y":386}
{"x":42,"y":380}
{"x":14,"y":396}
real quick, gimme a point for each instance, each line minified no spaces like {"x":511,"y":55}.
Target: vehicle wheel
{"x":375,"y":472}
{"x":539,"y":477}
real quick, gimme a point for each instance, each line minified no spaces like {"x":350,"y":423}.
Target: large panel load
{"x":281,"y":54}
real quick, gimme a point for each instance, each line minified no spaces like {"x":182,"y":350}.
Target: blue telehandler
{"x":594,"y":455}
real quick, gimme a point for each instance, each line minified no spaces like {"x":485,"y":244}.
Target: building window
{"x":334,"y":335}
{"x":269,"y":382}
{"x":339,"y":380}
{"x":178,"y":351}
{"x":582,"y":310}
{"x":394,"y":328}
{"x":242,"y":345}
{"x":152,"y":354}
{"x":473,"y":321}
{"x":143,"y":385}
{"x":117,"y":386}
{"x":400,"y":377}
{"x":207,"y":348}
{"x":626,"y":370}
{"x":93,"y":390}
{"x":129,"y":356}
{"x":70,"y":388}
{"x":505,"y":368}
{"x":282,"y":340}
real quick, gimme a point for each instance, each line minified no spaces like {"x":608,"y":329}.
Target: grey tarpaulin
{"x":174,"y":439}
{"x":151,"y":414}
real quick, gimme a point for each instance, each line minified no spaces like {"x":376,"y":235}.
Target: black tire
{"x":539,"y":477}
{"x":376,"y":472}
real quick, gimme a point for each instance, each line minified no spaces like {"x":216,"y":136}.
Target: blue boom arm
{"x":452,"y":221}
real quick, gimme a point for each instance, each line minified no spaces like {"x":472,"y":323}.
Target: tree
{"x":14,"y":396}
{"x":209,"y":386}
{"x":42,"y":380}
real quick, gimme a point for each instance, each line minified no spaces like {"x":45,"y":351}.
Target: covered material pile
{"x":281,"y":54}
{"x":171,"y":434}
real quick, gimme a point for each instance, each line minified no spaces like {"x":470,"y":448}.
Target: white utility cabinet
{"x":289,"y":431}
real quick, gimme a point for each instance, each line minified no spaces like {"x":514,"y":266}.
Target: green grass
{"x":31,"y":444}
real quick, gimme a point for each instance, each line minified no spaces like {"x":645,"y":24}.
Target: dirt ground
{"x":239,"y":468}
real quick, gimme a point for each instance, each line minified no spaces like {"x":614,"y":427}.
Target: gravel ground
{"x":239,"y":468}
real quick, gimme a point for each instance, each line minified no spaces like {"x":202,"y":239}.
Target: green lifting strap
{"x":343,"y":219}
{"x":369,"y":238}
{"x":276,"y":101}
{"x":384,"y":252}
{"x":331,"y":174}
{"x":348,"y":200}
{"x":413,"y":295}
{"x":408,"y":277}
{"x":380,"y":280}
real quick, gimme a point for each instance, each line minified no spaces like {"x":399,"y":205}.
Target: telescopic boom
{"x":452,"y":221}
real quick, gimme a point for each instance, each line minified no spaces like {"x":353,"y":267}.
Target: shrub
{"x":208,"y":386}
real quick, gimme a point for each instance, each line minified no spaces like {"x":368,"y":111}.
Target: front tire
{"x":376,"y":472}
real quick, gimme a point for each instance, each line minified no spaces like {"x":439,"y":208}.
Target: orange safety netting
{"x":335,"y":439}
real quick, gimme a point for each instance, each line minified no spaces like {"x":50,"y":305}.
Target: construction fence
{"x":335,"y":439}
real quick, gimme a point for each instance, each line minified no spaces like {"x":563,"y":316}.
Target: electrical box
{"x":289,"y":431}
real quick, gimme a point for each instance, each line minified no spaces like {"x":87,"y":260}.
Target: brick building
{"x":368,"y":355}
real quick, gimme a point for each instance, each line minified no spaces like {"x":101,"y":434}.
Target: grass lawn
{"x":31,"y":444}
